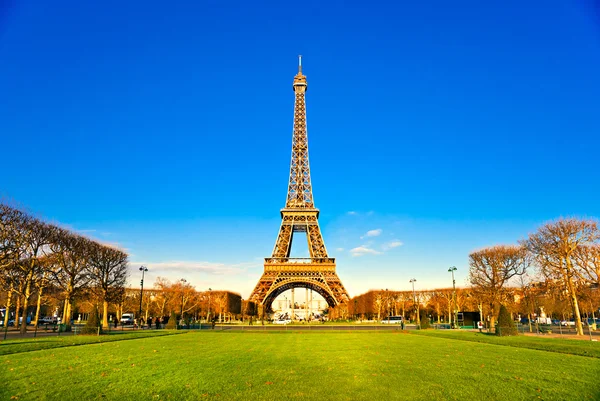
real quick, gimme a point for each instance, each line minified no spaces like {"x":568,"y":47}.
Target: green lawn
{"x":295,"y":366}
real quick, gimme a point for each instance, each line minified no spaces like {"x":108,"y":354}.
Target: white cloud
{"x":182,"y":267}
{"x":363,"y":250}
{"x":352,"y":213}
{"x":392,"y":244}
{"x":339,"y":249}
{"x":372,"y":233}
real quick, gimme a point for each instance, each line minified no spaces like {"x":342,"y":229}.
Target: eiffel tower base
{"x":284,"y":274}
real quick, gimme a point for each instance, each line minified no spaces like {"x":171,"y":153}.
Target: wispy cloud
{"x":372,"y":233}
{"x":363,"y":250}
{"x":180,"y":267}
{"x":352,"y":213}
{"x":392,"y":244}
{"x":339,"y":249}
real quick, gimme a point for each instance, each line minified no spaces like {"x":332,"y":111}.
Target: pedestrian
{"x":115,"y":322}
{"x":214,"y":321}
{"x":142,"y":323}
{"x":157,"y":322}
{"x":150,"y":322}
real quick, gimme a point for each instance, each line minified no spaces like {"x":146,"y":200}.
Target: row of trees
{"x":555,"y":270}
{"x":182,"y":298}
{"x":37,"y":256}
{"x":561,"y":257}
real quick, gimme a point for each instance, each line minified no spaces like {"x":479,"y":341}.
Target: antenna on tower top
{"x":300,"y":64}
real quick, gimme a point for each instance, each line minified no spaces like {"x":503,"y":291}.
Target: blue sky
{"x":167,"y":128}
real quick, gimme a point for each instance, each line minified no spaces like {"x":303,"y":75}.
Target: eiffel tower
{"x":317,"y":272}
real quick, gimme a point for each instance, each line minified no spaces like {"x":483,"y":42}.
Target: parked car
{"x":282,"y":321}
{"x":48,"y":320}
{"x":567,"y":323}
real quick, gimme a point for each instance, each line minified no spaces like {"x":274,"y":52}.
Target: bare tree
{"x":37,"y":236}
{"x":108,"y":274}
{"x":70,"y":273}
{"x":555,"y":245}
{"x":490,"y":270}
{"x":587,"y":257}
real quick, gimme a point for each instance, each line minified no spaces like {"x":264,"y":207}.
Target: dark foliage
{"x":505,"y":326}
{"x":93,"y":323}
{"x":172,"y":323}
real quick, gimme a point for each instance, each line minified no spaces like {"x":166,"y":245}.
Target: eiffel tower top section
{"x":299,"y":196}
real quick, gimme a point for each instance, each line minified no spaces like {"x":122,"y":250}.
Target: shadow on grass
{"x":30,"y":345}
{"x":562,"y":346}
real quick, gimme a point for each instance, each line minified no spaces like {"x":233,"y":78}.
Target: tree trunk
{"x":8,"y":304}
{"x":17,"y":310}
{"x":65,"y":306}
{"x":25,"y":305}
{"x":573,"y":296}
{"x":39,"y":305}
{"x":105,"y":314}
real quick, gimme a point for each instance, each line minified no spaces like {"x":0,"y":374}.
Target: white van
{"x":127,"y":318}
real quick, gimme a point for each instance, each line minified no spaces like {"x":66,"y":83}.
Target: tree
{"x":587,"y":257}
{"x":108,"y":273}
{"x":92,"y":325}
{"x":555,"y":246}
{"x":70,"y":274}
{"x":172,"y":323}
{"x":505,"y":327}
{"x":490,"y":269}
{"x":37,"y":235}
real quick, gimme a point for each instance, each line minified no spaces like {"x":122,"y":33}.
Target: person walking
{"x":157,"y":322}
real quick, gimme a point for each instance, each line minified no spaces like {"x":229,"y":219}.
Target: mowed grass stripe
{"x":15,"y":346}
{"x":582,"y":347}
{"x":298,"y":365}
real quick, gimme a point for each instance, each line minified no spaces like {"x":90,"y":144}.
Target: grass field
{"x":299,"y":365}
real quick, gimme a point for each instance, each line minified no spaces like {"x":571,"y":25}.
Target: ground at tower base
{"x":336,"y":365}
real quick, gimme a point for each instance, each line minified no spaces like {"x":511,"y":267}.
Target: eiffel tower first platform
{"x":299,"y":215}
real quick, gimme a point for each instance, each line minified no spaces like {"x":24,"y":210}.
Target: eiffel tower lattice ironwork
{"x":317,"y":272}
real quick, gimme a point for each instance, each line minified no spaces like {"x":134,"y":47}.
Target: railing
{"x":299,"y":260}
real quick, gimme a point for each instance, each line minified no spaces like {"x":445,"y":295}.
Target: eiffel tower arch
{"x":317,"y":272}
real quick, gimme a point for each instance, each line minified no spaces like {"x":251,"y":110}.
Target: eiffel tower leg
{"x":283,"y":244}
{"x":316,"y":245}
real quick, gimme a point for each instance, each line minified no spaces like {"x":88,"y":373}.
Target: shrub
{"x":424,"y":320}
{"x":505,"y":326}
{"x":172,"y":323}
{"x":92,"y":324}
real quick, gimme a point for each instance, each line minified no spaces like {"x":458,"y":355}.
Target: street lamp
{"x":183,"y":281}
{"x":452,"y":269}
{"x":208,"y":315}
{"x":413,"y":281}
{"x":143,"y":269}
{"x":388,"y":304}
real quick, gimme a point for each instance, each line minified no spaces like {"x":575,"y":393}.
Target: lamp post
{"x":143,"y":269}
{"x":183,"y":281}
{"x":388,"y":304}
{"x":413,"y":281}
{"x":208,"y":315}
{"x":452,"y":269}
